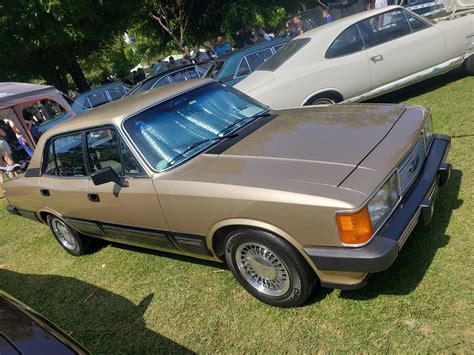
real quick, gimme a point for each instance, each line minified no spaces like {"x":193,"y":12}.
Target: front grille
{"x":411,"y":166}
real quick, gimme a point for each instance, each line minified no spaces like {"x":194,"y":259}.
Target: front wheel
{"x":269,"y":268}
{"x":74,"y":243}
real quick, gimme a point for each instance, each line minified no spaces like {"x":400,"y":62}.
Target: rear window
{"x":284,"y":54}
{"x":215,"y":69}
{"x":349,"y":41}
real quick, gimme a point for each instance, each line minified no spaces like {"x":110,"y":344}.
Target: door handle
{"x":376,"y":58}
{"x":93,"y":197}
{"x":44,"y":192}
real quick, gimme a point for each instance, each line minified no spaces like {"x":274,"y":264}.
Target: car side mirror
{"x":106,"y":175}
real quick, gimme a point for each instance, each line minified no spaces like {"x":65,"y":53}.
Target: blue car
{"x":235,"y":66}
{"x":99,"y":96}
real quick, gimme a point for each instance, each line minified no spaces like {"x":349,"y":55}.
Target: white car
{"x":360,"y":57}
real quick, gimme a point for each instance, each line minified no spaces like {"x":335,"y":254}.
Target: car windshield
{"x":183,"y":126}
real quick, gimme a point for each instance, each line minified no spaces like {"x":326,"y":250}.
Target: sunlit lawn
{"x":121,"y":299}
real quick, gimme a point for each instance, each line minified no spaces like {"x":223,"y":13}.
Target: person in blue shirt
{"x":221,"y":47}
{"x":327,"y":15}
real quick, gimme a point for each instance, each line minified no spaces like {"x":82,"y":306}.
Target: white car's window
{"x":284,"y":54}
{"x":384,"y":28}
{"x":116,"y":93}
{"x":349,"y":41}
{"x":258,"y":58}
{"x":416,"y":24}
{"x":243,"y":69}
{"x":105,"y":148}
{"x":64,"y":157}
{"x":98,"y":98}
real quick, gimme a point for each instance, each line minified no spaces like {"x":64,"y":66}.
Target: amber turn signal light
{"x":355,"y":228}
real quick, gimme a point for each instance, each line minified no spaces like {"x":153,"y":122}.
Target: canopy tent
{"x":15,"y":97}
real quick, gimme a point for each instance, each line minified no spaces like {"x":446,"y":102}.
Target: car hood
{"x":321,"y":145}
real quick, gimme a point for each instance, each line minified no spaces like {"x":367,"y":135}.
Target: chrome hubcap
{"x":323,"y":101}
{"x":63,"y":233}
{"x":263,"y":269}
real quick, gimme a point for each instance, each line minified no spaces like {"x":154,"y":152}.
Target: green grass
{"x":120,"y":300}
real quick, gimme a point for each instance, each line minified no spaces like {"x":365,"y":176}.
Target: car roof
{"x":254,"y":48}
{"x":116,"y":111}
{"x":99,"y":88}
{"x":336,"y":27}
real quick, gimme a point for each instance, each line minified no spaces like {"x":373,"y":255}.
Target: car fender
{"x":245,"y":222}
{"x":319,"y":92}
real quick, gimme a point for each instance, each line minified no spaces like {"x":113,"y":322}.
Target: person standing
{"x":383,"y":19}
{"x":221,"y":47}
{"x":6,"y":157}
{"x":19,"y":135}
{"x":328,"y":18}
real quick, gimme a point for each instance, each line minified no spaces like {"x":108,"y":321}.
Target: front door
{"x":400,"y":45}
{"x":131,"y":214}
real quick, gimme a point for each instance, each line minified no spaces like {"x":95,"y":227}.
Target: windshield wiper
{"x":196,"y":144}
{"x":258,"y":115}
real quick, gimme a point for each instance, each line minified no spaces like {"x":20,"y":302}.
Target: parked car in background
{"x":360,"y":57}
{"x":236,"y":65}
{"x":24,"y":331}
{"x":287,"y":198}
{"x":170,"y":76}
{"x":99,"y":96}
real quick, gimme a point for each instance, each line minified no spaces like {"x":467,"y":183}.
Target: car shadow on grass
{"x":417,"y":254}
{"x":100,"y":320}
{"x":420,"y":88}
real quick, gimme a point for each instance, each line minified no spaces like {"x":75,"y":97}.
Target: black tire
{"x":323,"y":99}
{"x":290,"y":291}
{"x":74,"y":243}
{"x":469,"y":65}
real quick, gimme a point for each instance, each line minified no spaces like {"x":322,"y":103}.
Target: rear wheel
{"x":269,"y":268}
{"x":73,"y":242}
{"x":323,"y":99}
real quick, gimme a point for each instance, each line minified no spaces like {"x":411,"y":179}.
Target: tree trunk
{"x":60,"y":80}
{"x":77,"y":75}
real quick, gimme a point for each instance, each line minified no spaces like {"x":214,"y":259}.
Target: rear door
{"x":63,"y":181}
{"x":400,"y":45}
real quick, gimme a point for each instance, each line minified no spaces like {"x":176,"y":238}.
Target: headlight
{"x":358,"y":227}
{"x":383,"y":202}
{"x":428,"y":133}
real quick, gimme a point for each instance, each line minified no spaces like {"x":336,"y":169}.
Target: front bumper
{"x":416,"y":205}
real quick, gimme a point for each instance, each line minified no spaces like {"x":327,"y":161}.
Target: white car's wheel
{"x":323,"y":99}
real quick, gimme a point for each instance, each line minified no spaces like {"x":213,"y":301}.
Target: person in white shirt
{"x":385,"y":19}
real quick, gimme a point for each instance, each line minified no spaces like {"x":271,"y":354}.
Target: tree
{"x":47,"y":38}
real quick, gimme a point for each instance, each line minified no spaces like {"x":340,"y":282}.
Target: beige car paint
{"x":283,"y":177}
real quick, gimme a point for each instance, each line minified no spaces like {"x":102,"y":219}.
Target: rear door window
{"x":349,"y":41}
{"x":215,"y":69}
{"x":64,"y":157}
{"x":243,"y":69}
{"x":116,"y":93}
{"x":97,"y":99}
